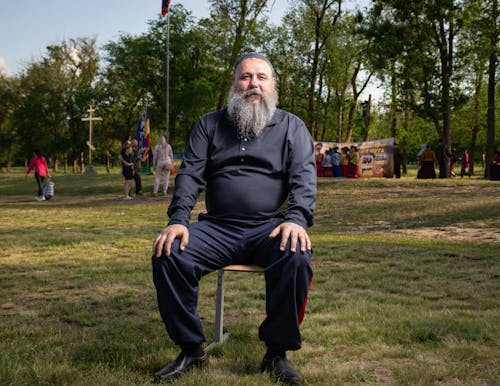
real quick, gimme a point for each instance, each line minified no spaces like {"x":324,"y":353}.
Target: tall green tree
{"x":427,"y":33}
{"x":55,"y":93}
{"x":135,"y":75}
{"x":233,"y":24}
{"x":9,"y":95}
{"x":321,"y":16}
{"x":492,"y":31}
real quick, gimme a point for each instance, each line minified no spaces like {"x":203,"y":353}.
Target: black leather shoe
{"x":282,"y":370}
{"x":179,"y":366}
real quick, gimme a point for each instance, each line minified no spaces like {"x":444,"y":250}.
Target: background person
{"x":136,"y":176}
{"x":336,"y":162}
{"x":38,"y":163}
{"x":252,"y":158}
{"x":345,"y":161}
{"x":428,"y":162}
{"x":465,"y":164}
{"x":495,"y":167}
{"x":397,"y":159}
{"x":326,"y":164}
{"x":163,"y":158}
{"x":354,"y":162}
{"x":128,"y":169}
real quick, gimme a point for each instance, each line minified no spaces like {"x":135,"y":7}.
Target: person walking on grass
{"x":38,"y":163}
{"x":251,"y":158}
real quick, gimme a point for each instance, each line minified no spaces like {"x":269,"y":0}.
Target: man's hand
{"x":293,"y":232}
{"x":167,"y":236}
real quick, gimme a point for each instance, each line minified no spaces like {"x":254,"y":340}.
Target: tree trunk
{"x":490,"y":121}
{"x":476,"y":124}
{"x":340,"y":116}
{"x":235,"y":51}
{"x":394,"y":114}
{"x":367,"y":118}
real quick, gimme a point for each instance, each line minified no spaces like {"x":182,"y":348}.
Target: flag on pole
{"x":165,"y":5}
{"x":142,"y":135}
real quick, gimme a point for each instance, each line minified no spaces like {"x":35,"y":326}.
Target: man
{"x":251,"y":157}
{"x":336,"y":162}
{"x":397,"y":158}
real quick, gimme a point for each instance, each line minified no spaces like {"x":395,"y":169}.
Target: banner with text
{"x":375,"y":157}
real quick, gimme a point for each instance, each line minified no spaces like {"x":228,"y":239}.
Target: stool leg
{"x":219,"y":335}
{"x":219,"y":307}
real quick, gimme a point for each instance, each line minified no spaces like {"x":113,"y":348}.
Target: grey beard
{"x":251,"y":119}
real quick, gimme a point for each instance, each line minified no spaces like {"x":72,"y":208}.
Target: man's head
{"x":253,"y":96}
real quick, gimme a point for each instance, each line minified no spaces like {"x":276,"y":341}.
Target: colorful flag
{"x":142,"y":135}
{"x":165,"y":5}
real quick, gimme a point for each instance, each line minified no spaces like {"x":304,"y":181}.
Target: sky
{"x":27,"y":27}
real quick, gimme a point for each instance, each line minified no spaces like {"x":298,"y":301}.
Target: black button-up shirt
{"x":247,"y":179}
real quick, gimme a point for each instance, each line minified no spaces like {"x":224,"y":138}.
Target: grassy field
{"x":406,"y":287}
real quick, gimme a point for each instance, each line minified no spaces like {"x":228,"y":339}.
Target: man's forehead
{"x":253,"y":55}
{"x":254,"y":65}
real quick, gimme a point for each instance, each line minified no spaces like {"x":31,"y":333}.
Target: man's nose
{"x":254,"y":83}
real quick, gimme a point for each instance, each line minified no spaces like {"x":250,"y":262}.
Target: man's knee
{"x":298,"y":261}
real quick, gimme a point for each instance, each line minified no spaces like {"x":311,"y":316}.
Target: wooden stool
{"x":219,"y":335}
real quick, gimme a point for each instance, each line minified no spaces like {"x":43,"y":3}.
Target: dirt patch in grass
{"x":468,"y":233}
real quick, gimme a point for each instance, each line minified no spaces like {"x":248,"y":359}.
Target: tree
{"x":54,"y":93}
{"x":322,"y":16}
{"x":135,"y":76}
{"x":233,"y":23}
{"x":427,"y":32}
{"x":492,"y":32}
{"x":9,"y":95}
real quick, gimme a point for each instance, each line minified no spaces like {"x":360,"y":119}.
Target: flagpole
{"x":167,"y":76}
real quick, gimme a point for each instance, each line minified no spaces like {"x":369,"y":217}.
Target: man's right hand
{"x":167,"y":236}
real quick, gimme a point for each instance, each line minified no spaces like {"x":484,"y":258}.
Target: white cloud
{"x":3,"y":67}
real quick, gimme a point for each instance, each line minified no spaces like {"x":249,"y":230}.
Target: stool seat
{"x":243,"y":268}
{"x":219,"y":335}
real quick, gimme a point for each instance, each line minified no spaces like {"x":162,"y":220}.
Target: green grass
{"x":405,"y":291}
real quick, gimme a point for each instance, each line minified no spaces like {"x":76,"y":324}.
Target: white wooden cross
{"x":90,"y":119}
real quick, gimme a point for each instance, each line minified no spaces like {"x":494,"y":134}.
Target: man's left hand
{"x":293,"y":232}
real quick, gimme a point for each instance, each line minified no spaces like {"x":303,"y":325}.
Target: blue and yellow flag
{"x":142,"y":135}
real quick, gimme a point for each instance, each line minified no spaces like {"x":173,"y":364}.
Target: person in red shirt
{"x":39,"y":164}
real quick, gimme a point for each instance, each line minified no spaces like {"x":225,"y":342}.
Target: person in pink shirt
{"x":39,"y":164}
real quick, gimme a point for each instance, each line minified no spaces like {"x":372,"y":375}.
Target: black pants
{"x":138,"y":183}
{"x":39,"y":180}
{"x":214,"y":244}
{"x":397,"y":170}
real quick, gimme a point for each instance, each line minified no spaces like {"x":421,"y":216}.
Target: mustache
{"x":251,"y":92}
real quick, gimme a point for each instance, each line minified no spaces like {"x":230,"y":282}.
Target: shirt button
{"x":243,"y":149}
{"x":242,"y":159}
